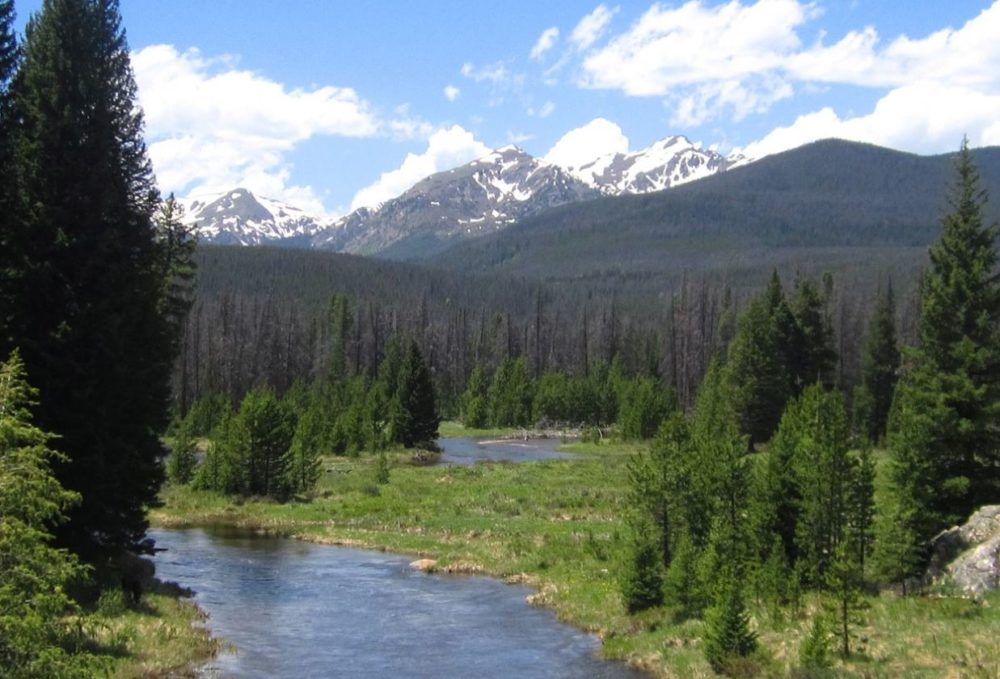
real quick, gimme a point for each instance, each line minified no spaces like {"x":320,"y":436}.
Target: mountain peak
{"x":238,"y":217}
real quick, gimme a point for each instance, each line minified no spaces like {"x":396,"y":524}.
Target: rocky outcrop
{"x":968,"y":556}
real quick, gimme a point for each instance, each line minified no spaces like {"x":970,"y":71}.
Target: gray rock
{"x":969,"y":555}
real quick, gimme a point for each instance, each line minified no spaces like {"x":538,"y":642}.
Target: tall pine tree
{"x":417,"y":403}
{"x":98,"y":344}
{"x":880,"y":365}
{"x":945,"y":437}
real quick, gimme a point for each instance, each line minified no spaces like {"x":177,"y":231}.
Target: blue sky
{"x":332,"y":105}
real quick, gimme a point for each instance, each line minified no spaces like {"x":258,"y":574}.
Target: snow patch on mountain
{"x":667,"y":163}
{"x":239,"y":217}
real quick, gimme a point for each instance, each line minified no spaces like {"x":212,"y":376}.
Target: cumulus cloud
{"x":694,"y":44}
{"x":545,"y":42}
{"x":451,"y":93}
{"x":446,"y":148}
{"x":923,"y":118}
{"x":739,"y":58}
{"x":599,"y":137}
{"x":212,"y":126}
{"x":591,"y":27}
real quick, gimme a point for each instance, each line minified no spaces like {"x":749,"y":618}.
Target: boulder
{"x":426,"y":565}
{"x":969,"y":555}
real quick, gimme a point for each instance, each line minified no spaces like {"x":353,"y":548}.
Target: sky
{"x":330,"y":106}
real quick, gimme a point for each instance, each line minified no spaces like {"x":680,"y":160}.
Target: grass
{"x":161,"y":637}
{"x":557,"y":525}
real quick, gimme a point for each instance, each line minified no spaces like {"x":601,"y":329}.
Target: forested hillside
{"x":832,"y":200}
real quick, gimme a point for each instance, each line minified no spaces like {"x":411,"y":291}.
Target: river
{"x":296,"y":609}
{"x":472,"y":450}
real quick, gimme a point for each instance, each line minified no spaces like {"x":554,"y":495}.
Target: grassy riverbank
{"x":557,"y":526}
{"x":162,"y":637}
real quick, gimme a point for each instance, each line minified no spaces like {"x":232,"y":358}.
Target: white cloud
{"x":937,"y":89}
{"x":739,"y":58}
{"x":211,"y":126}
{"x":446,"y":148}
{"x":451,"y":93}
{"x":719,"y":49}
{"x":923,"y":118}
{"x":591,"y":27}
{"x":494,"y":73}
{"x":545,"y":42}
{"x":599,"y":137}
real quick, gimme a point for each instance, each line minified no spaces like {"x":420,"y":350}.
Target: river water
{"x":470,"y":450}
{"x":295,"y":609}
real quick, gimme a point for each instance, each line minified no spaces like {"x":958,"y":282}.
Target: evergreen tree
{"x":340,"y":330}
{"x":9,"y":247}
{"x":35,"y":628}
{"x":182,"y":462}
{"x":266,"y":429}
{"x":642,"y":577}
{"x":757,"y":367}
{"x":880,"y":365}
{"x":100,"y":346}
{"x":302,"y":463}
{"x":683,"y":585}
{"x":475,"y":403}
{"x":176,"y":241}
{"x":415,"y":394}
{"x":945,"y":437}
{"x":511,"y":395}
{"x":812,"y":358}
{"x":844,"y":581}
{"x":643,"y":404}
{"x":728,"y":636}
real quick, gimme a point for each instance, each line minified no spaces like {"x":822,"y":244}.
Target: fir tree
{"x":642,"y":406}
{"x":266,"y":429}
{"x":945,"y":437}
{"x":340,"y":330}
{"x":510,"y":395}
{"x":757,"y":367}
{"x":415,"y":395}
{"x":35,"y":630}
{"x":880,"y":361}
{"x":475,"y":405}
{"x":642,"y":576}
{"x":814,"y":357}
{"x":10,"y":248}
{"x":728,"y":636}
{"x":100,"y":346}
{"x":182,"y":462}
{"x":302,"y":463}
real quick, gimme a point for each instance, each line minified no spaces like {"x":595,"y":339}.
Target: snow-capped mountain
{"x":239,"y":217}
{"x":669,"y":162}
{"x":485,"y":195}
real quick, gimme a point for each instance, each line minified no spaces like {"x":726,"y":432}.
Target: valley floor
{"x":557,"y":525}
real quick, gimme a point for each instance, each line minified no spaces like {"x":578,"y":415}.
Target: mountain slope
{"x":238,"y":217}
{"x":481,"y":197}
{"x":829,"y":194}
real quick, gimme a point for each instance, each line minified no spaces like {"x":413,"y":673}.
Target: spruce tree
{"x":182,"y":462}
{"x":99,"y":347}
{"x":36,"y":631}
{"x":945,"y":438}
{"x":813,"y":358}
{"x":475,"y":405}
{"x":10,"y":247}
{"x":728,"y":636}
{"x":880,"y":365}
{"x":417,"y":402}
{"x":642,"y":575}
{"x":757,"y":366}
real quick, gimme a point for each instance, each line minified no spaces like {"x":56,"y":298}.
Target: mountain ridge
{"x":481,"y":197}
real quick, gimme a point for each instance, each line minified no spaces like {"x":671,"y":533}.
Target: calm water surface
{"x":294,"y":609}
{"x":470,"y":451}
